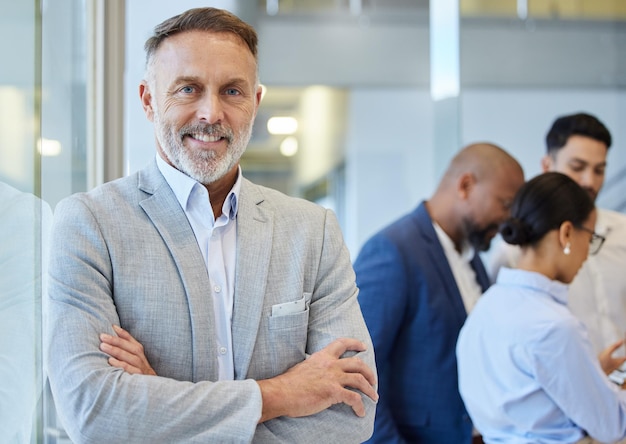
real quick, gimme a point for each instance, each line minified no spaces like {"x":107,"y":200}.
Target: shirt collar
{"x":603,"y":226}
{"x":467,"y":252}
{"x":182,"y":186}
{"x":533,"y":280}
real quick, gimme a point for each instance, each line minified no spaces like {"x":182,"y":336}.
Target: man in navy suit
{"x":418,"y":279}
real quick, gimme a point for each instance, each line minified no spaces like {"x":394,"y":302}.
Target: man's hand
{"x":126,"y":352}
{"x":322,"y":380}
{"x":607,"y":361}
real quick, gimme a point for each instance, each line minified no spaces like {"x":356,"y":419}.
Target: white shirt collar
{"x":182,"y":185}
{"x":464,"y":274}
{"x":467,"y":251}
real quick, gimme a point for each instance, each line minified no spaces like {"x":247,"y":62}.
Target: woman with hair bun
{"x":527,"y":372}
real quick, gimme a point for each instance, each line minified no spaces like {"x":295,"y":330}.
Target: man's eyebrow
{"x":235,"y":81}
{"x":185,"y":79}
{"x":585,"y":162}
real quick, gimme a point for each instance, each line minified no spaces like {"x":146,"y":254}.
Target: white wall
{"x":323,"y":114}
{"x":390,"y":158}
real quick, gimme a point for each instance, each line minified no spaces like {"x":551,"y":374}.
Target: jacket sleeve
{"x":381,"y":278}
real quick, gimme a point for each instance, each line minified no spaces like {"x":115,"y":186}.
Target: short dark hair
{"x":202,"y":19}
{"x":542,"y":204}
{"x":581,"y":124}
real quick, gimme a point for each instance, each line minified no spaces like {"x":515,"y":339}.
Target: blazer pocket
{"x":287,"y":335}
{"x":290,"y":321}
{"x":290,"y":314}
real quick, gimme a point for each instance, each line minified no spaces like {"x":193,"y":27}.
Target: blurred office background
{"x":382,"y":92}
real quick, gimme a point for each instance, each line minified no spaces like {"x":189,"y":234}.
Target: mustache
{"x":207,"y":129}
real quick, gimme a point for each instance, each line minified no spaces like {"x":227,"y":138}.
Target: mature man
{"x":418,"y":279}
{"x":577,"y":145}
{"x":228,"y":286}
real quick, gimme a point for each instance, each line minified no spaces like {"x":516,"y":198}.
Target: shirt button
{"x":217,"y":288}
{"x":222,"y":350}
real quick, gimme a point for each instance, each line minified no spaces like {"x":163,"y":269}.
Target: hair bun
{"x":515,"y":231}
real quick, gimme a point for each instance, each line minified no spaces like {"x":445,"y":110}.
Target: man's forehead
{"x":196,"y":54}
{"x":190,"y":40}
{"x":582,"y":148}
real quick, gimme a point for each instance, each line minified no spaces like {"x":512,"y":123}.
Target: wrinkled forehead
{"x":200,"y":54}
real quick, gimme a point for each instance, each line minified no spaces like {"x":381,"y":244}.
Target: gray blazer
{"x":125,"y":254}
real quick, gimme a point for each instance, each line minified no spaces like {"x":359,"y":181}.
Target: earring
{"x":567,"y":249}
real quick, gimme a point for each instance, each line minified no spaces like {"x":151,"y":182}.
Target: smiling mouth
{"x":203,"y":137}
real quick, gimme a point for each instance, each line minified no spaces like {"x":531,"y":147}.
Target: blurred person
{"x":527,"y":371}
{"x":242,"y":301}
{"x":577,"y":145}
{"x":24,"y":223}
{"x":418,"y":278}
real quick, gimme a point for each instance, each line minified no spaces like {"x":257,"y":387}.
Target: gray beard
{"x":204,"y":166}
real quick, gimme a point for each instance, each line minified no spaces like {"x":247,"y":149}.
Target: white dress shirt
{"x":464,"y":274}
{"x":217,"y":240}
{"x":597,"y":295}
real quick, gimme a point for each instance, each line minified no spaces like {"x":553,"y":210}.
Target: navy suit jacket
{"x":414,"y":312}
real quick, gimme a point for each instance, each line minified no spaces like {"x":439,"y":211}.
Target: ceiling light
{"x":49,"y":147}
{"x":282,"y":125}
{"x":289,"y":146}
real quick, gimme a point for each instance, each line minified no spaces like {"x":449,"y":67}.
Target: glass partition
{"x":42,"y":145}
{"x":23,"y":219}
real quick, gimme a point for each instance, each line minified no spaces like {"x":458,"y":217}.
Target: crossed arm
{"x":313,"y":385}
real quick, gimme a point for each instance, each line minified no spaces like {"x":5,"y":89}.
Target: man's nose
{"x":210,"y":109}
{"x":588,"y":179}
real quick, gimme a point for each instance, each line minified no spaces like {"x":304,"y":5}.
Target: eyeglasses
{"x":596,"y":241}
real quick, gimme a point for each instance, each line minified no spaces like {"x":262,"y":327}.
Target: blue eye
{"x":232,"y":92}
{"x":187,"y":89}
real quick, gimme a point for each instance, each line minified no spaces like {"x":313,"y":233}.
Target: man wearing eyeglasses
{"x":577,"y":145}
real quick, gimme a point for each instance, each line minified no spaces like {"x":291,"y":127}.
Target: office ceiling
{"x":286,"y":100}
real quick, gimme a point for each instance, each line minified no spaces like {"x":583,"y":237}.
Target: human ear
{"x":547,"y":163}
{"x":565,"y":233}
{"x":146,"y":100}
{"x":258,"y":96}
{"x":465,"y":184}
{"x":260,"y":93}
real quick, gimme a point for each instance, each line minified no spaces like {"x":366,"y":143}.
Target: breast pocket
{"x":288,"y":330}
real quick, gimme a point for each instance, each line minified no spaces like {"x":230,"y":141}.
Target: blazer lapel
{"x":164,"y":210}
{"x":254,"y":247}
{"x":440,"y":262}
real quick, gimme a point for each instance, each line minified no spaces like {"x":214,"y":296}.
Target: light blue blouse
{"x":527,"y":373}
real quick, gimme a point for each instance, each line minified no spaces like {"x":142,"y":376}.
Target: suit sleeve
{"x":334,"y":313}
{"x":99,"y":403}
{"x":381,"y":278}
